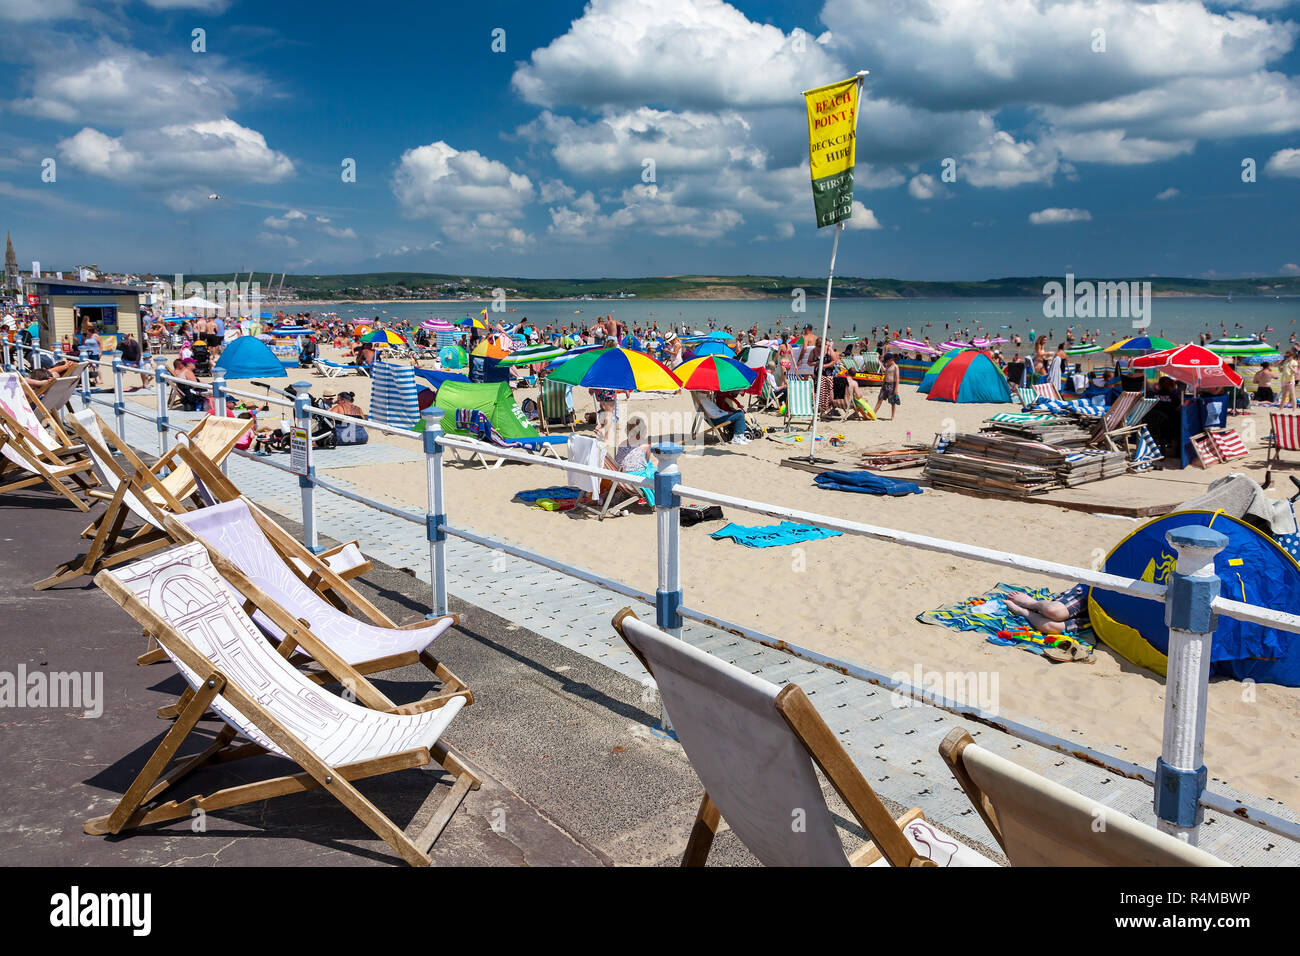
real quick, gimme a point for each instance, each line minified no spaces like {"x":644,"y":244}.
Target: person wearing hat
{"x":672,"y":350}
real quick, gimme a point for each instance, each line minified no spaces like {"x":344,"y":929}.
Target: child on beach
{"x":889,"y":388}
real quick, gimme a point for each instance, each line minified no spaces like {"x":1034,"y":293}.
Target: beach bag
{"x":694,"y":514}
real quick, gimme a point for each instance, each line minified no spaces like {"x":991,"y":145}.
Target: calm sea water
{"x":1180,"y":319}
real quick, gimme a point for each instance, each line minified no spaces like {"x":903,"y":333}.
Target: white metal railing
{"x":1191,"y":599}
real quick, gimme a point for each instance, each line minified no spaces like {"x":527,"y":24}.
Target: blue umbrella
{"x":292,"y":330}
{"x":712,"y":347}
{"x":246,"y":357}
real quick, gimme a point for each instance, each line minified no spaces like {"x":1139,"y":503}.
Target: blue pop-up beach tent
{"x":1253,"y":568}
{"x":248,"y":357}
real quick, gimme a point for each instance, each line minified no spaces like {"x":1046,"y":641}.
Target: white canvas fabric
{"x":98,"y":448}
{"x":585,"y":451}
{"x":1046,"y":824}
{"x":14,"y":402}
{"x":341,"y":562}
{"x":182,"y":586}
{"x":19,"y":454}
{"x":230,"y":529}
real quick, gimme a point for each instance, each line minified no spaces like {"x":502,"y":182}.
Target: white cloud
{"x":923,"y":186}
{"x":187,"y":200}
{"x":1002,"y":162}
{"x":1115,"y":147}
{"x":438,"y":178}
{"x":1290,"y":269}
{"x":213,"y":148}
{"x":1054,"y":216}
{"x":555,"y":190}
{"x":1170,"y":193}
{"x":25,"y":11}
{"x":202,"y":6}
{"x":1285,"y":162}
{"x":863,"y":218}
{"x":285,"y":221}
{"x":277,"y":239}
{"x":702,"y":54}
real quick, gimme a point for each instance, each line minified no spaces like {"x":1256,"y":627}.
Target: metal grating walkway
{"x":896,"y":747}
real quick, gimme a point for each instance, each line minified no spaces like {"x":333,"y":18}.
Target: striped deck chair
{"x":334,"y":369}
{"x":480,"y":426}
{"x":557,"y":405}
{"x":1125,"y":417}
{"x":1206,"y":452}
{"x":1285,"y":435}
{"x":798,"y":400}
{"x":1021,"y":418}
{"x":1147,"y":451}
{"x":1227,"y":443}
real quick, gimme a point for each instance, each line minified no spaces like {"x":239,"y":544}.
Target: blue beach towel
{"x":558,"y":493}
{"x":774,"y":535}
{"x":866,"y":483}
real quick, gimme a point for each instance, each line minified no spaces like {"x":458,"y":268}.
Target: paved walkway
{"x":896,"y":747}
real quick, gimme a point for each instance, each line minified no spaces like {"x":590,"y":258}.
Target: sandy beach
{"x":857,"y":599}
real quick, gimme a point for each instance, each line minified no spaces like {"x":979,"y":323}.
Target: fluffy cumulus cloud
{"x":209,"y":149}
{"x":1055,"y":216}
{"x":472,"y":196}
{"x":863,"y":218}
{"x":695,"y":54}
{"x":1285,"y":162}
{"x":1166,"y":194}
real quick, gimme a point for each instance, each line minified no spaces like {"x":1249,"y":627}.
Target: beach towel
{"x":866,"y":483}
{"x":1079,"y":406}
{"x":557,"y":493}
{"x":987,"y":614}
{"x":774,"y":535}
{"x":588,"y":451}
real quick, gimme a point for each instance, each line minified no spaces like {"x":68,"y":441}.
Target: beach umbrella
{"x":436,"y":325}
{"x":365,"y":322}
{"x":472,"y":323}
{"x":715,"y":373}
{"x":533,"y":355}
{"x":1090,"y":348}
{"x":196,"y":302}
{"x":1140,"y":343}
{"x":619,"y":369}
{"x":284,"y":330}
{"x":383,"y":337}
{"x":489,"y":349}
{"x":453,"y":356}
{"x":249,"y":357}
{"x":911,"y":345}
{"x":712,"y":347}
{"x":1249,"y":350}
{"x":1192,"y":364}
{"x":706,"y":336}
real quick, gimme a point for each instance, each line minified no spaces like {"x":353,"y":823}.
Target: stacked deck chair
{"x":29,"y":455}
{"x":253,"y":553}
{"x":1038,"y":822}
{"x":756,"y":748}
{"x":1119,"y":429}
{"x":259,"y":694}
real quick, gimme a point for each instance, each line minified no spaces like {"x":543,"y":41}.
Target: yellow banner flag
{"x":832,"y":135}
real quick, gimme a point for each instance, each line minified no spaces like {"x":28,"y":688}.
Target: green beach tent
{"x":493,"y":399}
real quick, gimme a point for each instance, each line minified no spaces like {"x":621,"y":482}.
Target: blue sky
{"x":1093,"y":136}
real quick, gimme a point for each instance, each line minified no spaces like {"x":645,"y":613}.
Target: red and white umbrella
{"x":1192,"y":364}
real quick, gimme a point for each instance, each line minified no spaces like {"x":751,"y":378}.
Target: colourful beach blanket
{"x":988,"y":615}
{"x":558,"y":493}
{"x":775,"y":535}
{"x":866,"y":483}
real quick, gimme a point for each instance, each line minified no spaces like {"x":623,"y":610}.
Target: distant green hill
{"x":425,"y":285}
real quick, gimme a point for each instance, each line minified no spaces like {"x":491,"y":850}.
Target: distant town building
{"x":11,"y":266}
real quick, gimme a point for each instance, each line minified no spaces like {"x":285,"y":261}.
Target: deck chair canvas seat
{"x":1039,"y":822}
{"x":556,"y":401}
{"x":215,"y":437}
{"x":798,"y":400}
{"x":22,"y":409}
{"x":755,"y":747}
{"x":23,"y":466}
{"x":702,"y":422}
{"x":232,"y":670}
{"x":244,"y":542}
{"x":1284,"y":435}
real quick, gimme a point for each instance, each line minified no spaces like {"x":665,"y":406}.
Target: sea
{"x":1177,"y":318}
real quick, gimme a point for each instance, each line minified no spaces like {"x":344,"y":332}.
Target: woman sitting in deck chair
{"x":719,"y":408}
{"x":632,"y":456}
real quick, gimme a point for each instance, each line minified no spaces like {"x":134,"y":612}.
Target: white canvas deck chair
{"x":798,"y":400}
{"x":22,"y":466}
{"x":22,"y":408}
{"x":246,"y":546}
{"x":55,"y":399}
{"x":755,"y":747}
{"x":232,"y":670}
{"x":335,"y":369}
{"x":702,"y":422}
{"x":123,"y":487}
{"x":1038,"y":822}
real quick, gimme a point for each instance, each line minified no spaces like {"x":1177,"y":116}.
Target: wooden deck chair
{"x":798,"y":399}
{"x":245,"y":545}
{"x":260,"y":695}
{"x":1283,"y":436}
{"x":1118,"y":429}
{"x":702,"y":422}
{"x":1227,"y":443}
{"x":123,"y":487}
{"x":556,"y":402}
{"x":215,"y":437}
{"x":53,"y":401}
{"x":616,"y":497}
{"x":755,"y":747}
{"x":23,"y":465}
{"x":20,"y":404}
{"x":1039,"y":822}
{"x":1206,"y":452}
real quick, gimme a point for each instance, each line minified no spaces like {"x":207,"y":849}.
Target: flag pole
{"x":830,"y":279}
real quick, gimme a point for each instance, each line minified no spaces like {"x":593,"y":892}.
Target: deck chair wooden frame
{"x":110,"y":542}
{"x":24,"y":465}
{"x":702,"y":422}
{"x":139,"y":806}
{"x":44,"y":431}
{"x":50,"y":403}
{"x":1055,"y":826}
{"x":627,"y":495}
{"x":888,"y":839}
{"x":320,"y":578}
{"x":1284,"y":435}
{"x":548,"y":414}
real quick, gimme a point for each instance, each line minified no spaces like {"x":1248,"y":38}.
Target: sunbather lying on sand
{"x":1057,"y":616}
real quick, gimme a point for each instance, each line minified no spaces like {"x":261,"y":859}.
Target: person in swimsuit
{"x":889,"y":387}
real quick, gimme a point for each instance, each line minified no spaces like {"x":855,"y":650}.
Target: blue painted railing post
{"x":219,"y":405}
{"x":85,"y":379}
{"x":436,"y":515}
{"x":6,"y":352}
{"x":1180,"y":769}
{"x":160,"y":401}
{"x":21,"y":359}
{"x":668,"y":517}
{"x":306,"y":483}
{"x":119,"y":402}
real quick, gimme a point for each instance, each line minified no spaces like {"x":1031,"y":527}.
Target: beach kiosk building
{"x":63,"y":304}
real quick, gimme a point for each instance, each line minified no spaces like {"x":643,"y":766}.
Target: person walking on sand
{"x":1287,"y":374}
{"x":889,"y":387}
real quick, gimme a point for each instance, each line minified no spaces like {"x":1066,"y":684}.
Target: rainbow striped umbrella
{"x":383,"y":337}
{"x":619,"y":369}
{"x":1141,"y":343}
{"x":436,"y":325}
{"x":715,"y":373}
